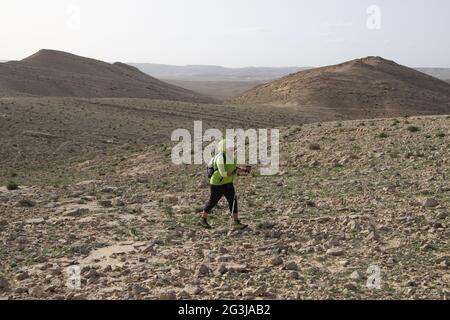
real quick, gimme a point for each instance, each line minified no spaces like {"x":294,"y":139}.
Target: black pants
{"x":217,"y":192}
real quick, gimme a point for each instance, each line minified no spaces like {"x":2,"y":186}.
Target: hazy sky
{"x":232,"y":33}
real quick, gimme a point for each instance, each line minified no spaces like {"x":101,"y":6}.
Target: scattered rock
{"x":238,"y":268}
{"x":357,"y":276}
{"x":225,"y":258}
{"x":25,"y":203}
{"x":291,"y":266}
{"x":118,"y":203}
{"x":351,"y":286}
{"x":78,"y":212}
{"x":184,"y":295}
{"x":35,"y":221}
{"x":193,"y":290}
{"x":137,"y":289}
{"x":261,"y":291}
{"x":37,"y":292}
{"x":222,"y":269}
{"x":276,"y":261}
{"x":170,"y":200}
{"x":336,"y":252}
{"x":443,"y":265}
{"x":168,"y":295}
{"x":105,"y":203}
{"x":223,"y":250}
{"x":203,"y":271}
{"x":430,"y":203}
{"x":22,"y":276}
{"x":442,"y":215}
{"x":108,"y":189}
{"x":4,"y":284}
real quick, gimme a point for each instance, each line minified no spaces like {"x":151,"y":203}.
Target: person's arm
{"x":222,"y":170}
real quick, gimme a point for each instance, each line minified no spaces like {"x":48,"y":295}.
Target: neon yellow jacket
{"x":220,"y":176}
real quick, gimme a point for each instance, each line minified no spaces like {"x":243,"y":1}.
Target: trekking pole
{"x":234,"y":202}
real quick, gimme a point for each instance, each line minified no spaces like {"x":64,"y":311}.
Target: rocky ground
{"x":41,"y":137}
{"x":352,"y":197}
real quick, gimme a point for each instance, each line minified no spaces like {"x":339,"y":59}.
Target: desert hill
{"x":56,"y":73}
{"x":362,"y":88}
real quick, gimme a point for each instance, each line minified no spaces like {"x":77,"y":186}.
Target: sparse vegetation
{"x":314,"y":146}
{"x":12,"y":186}
{"x":413,"y":129}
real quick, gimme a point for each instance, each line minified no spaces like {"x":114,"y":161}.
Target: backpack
{"x":212,"y":168}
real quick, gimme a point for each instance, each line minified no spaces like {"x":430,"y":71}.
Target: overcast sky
{"x":233,"y":33}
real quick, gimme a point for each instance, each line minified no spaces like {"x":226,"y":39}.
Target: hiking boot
{"x":237,"y":225}
{"x":204,"y":223}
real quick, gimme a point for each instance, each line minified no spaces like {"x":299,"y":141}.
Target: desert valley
{"x":86,"y":180}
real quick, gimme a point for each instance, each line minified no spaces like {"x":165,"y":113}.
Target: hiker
{"x":222,"y":171}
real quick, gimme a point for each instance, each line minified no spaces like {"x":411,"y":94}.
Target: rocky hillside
{"x":363,"y":88}
{"x":351,"y":195}
{"x":54,"y":73}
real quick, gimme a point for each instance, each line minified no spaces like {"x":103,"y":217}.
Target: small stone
{"x":4,"y":284}
{"x":22,"y":276}
{"x":193,"y":290}
{"x":294,"y":275}
{"x":183,"y":295}
{"x":223,"y":250}
{"x":170,"y":200}
{"x":91,"y":274}
{"x":261,"y":291}
{"x":203,"y":271}
{"x":292,"y":266}
{"x":149,"y":249}
{"x":168,"y":295}
{"x":238,"y":268}
{"x":35,"y":221}
{"x":37,"y":292}
{"x":105,"y":203}
{"x":107,"y":269}
{"x":25,"y":203}
{"x":344,"y":263}
{"x":336,"y":252}
{"x":76,"y":212}
{"x":221,"y":270}
{"x":118,"y":203}
{"x":108,"y":189}
{"x":442,"y":215}
{"x":354,"y":225}
{"x":428,"y":247}
{"x":137,"y":289}
{"x":276,"y":261}
{"x":430,"y":203}
{"x":225,"y":258}
{"x":357,"y":276}
{"x":443,"y":265}
{"x":351,"y":286}
{"x":21,"y":290}
{"x":410,"y":291}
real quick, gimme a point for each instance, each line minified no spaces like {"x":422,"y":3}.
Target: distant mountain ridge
{"x":214,"y":73}
{"x":440,"y":73}
{"x":57,"y":73}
